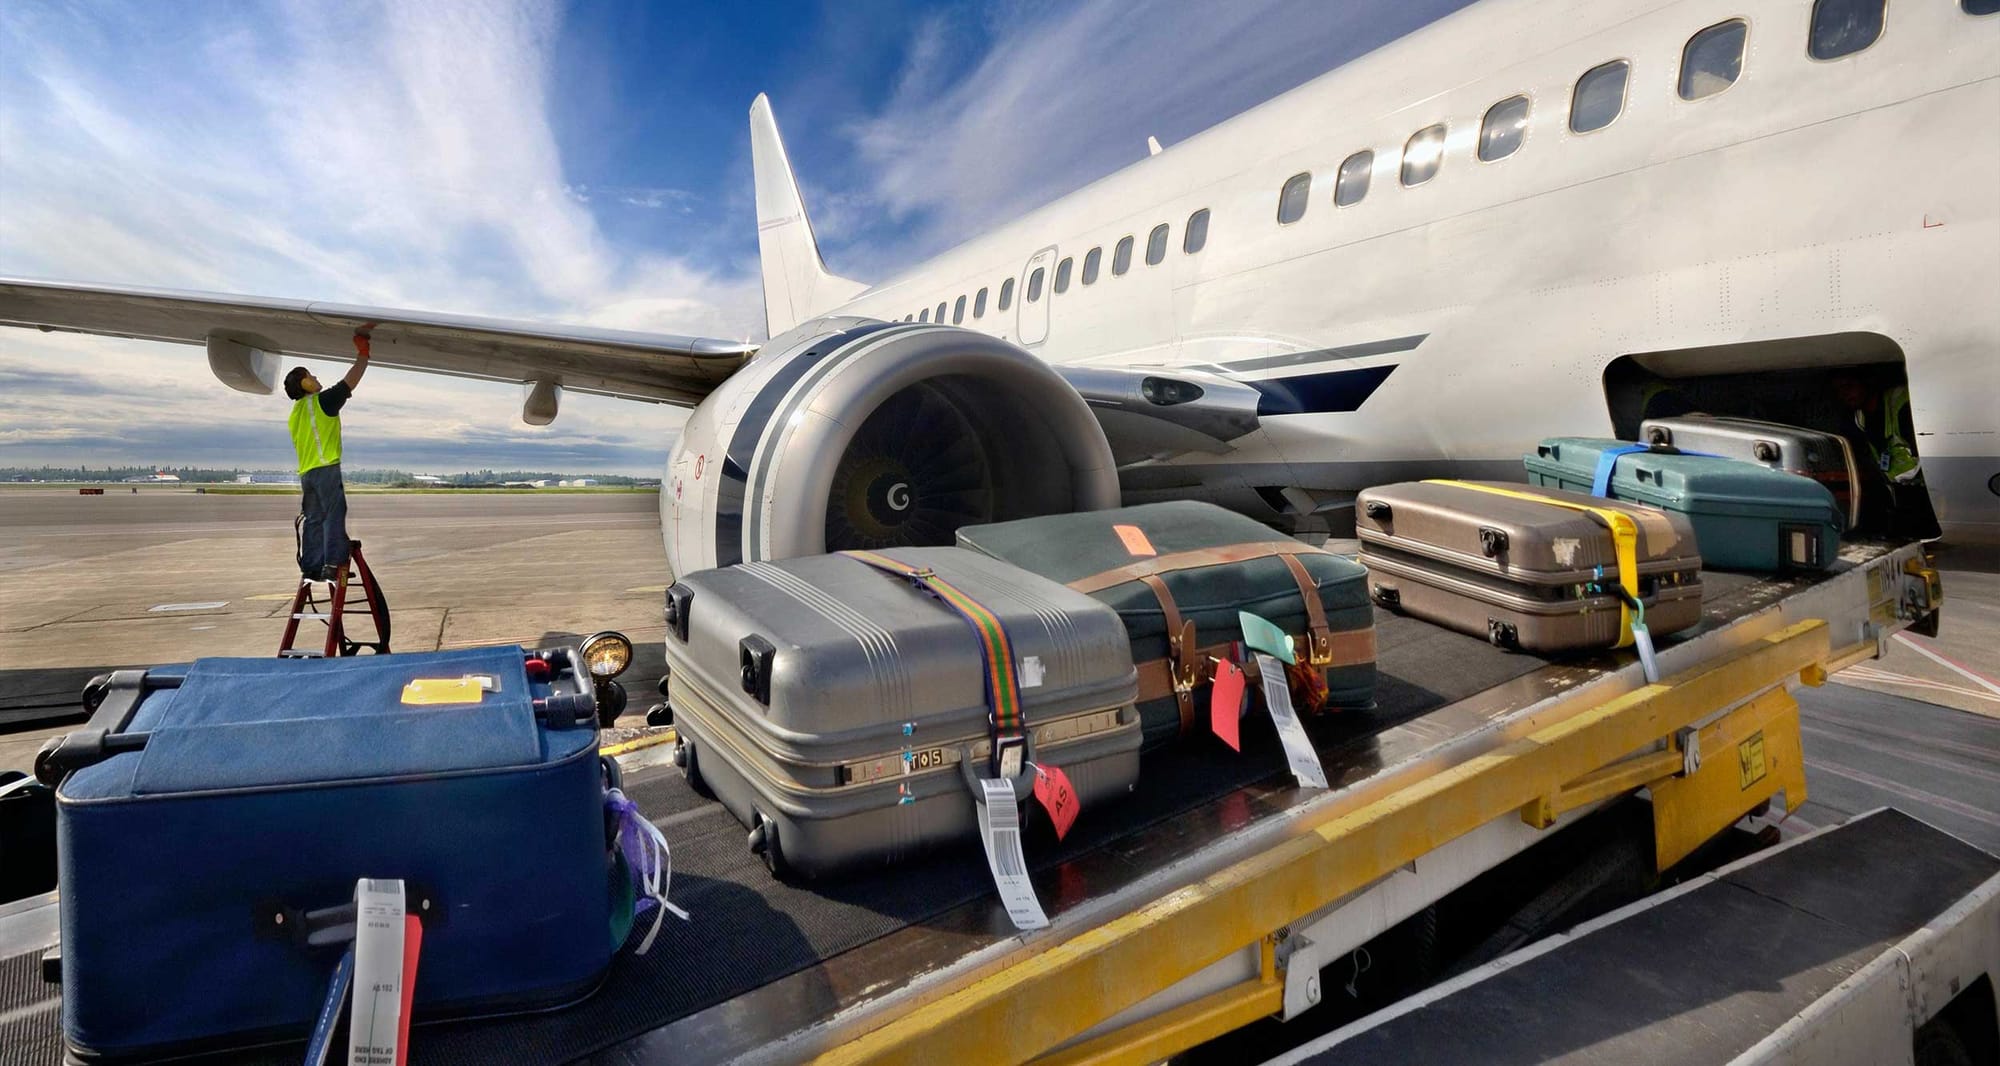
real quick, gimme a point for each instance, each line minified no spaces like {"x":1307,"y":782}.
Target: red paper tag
{"x":413,"y":943}
{"x":1225,"y":702}
{"x":1052,"y":787}
{"x":1135,"y":540}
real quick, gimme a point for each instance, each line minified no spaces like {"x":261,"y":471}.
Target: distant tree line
{"x":196,"y":475}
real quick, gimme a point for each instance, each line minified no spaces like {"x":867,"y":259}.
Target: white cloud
{"x":395,"y":153}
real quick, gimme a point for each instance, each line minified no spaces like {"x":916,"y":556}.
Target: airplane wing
{"x":245,"y":336}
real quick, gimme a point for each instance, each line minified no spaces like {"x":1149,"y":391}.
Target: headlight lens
{"x":607,"y":654}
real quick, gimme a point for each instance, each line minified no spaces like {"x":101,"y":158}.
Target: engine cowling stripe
{"x":736,"y":461}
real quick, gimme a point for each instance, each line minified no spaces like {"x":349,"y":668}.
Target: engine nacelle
{"x":853,"y":433}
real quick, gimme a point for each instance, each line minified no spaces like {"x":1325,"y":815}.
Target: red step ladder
{"x":341,"y":595}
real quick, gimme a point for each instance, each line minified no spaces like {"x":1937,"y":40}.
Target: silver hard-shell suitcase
{"x":840,"y":712}
{"x":1824,"y":457}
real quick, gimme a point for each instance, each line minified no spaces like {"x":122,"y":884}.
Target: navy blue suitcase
{"x":209,"y":809}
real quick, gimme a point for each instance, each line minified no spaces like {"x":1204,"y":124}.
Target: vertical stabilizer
{"x":796,"y":283}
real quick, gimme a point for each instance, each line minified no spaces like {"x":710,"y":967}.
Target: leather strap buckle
{"x":1315,"y":647}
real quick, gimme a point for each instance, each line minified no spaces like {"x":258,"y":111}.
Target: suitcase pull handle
{"x":118,"y":698}
{"x":1492,"y":541}
{"x":332,"y":927}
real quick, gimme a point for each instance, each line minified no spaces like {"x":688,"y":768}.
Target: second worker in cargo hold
{"x":315,"y":425}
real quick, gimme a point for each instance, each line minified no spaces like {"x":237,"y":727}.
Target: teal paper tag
{"x":1265,"y":637}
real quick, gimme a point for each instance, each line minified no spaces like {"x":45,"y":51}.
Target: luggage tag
{"x":427,"y":691}
{"x":1058,"y":797}
{"x":1000,"y":832}
{"x":1261,"y":635}
{"x":329,"y":1011}
{"x":375,"y":1024}
{"x":1225,"y":703}
{"x":1299,"y":751}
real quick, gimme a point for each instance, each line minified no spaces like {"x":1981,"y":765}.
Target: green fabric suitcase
{"x":1745,"y":516}
{"x":1177,"y":574}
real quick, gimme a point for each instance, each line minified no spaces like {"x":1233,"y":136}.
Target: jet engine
{"x":854,"y":433}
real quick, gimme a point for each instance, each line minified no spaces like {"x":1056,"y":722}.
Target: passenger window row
{"x":1711,"y":61}
{"x":1194,"y":237}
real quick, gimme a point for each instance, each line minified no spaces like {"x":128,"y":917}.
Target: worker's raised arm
{"x":360,"y":366}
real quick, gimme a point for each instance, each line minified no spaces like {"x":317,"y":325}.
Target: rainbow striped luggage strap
{"x":1003,"y":688}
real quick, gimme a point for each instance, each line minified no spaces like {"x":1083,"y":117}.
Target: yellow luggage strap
{"x":1624,"y":541}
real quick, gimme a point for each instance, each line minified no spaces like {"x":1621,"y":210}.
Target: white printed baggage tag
{"x":1000,"y":831}
{"x":375,"y":1023}
{"x":1298,"y":746}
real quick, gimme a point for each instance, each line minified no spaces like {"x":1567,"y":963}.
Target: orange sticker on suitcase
{"x":1135,"y":540}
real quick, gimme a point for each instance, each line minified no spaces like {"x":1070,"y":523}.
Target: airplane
{"x":1527,"y":219}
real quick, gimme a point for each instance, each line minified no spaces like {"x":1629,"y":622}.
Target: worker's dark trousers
{"x":323,"y":532}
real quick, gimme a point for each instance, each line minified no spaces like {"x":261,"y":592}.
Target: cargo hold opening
{"x":1808,"y":382}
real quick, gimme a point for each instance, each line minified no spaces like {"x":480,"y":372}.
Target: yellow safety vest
{"x":315,"y":434}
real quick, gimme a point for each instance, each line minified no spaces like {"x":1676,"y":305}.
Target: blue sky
{"x":582,"y":162}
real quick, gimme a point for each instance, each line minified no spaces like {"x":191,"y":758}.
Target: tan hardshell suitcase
{"x":1533,"y":569}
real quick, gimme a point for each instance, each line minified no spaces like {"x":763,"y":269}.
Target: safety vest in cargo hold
{"x":315,"y":434}
{"x":1894,"y":454}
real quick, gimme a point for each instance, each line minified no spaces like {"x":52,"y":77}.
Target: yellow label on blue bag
{"x":436,"y":690}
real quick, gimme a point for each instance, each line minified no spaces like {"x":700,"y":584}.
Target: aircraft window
{"x":1090,"y":264}
{"x":1035,"y":285}
{"x":1980,"y":7}
{"x":1121,"y":259}
{"x":1006,"y":294}
{"x":1506,"y":122}
{"x":1599,"y":97}
{"x":1352,"y":182}
{"x":940,"y":312}
{"x":1713,"y":59}
{"x":1156,"y":245}
{"x":1062,"y":274}
{"x":979,"y":305}
{"x":925,"y":315}
{"x":1292,"y":198}
{"x":1844,"y":27}
{"x":1422,"y":154}
{"x":1196,"y":234}
{"x":958,"y":311}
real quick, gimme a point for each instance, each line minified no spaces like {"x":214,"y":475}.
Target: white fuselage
{"x":1850,"y":206}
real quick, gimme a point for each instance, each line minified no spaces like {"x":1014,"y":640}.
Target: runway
{"x":88,"y":583}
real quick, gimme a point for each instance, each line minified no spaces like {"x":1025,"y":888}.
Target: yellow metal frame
{"x":1033,"y":1003}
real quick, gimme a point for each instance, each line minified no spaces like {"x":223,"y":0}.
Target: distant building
{"x":427,"y":479}
{"x":578,"y":483}
{"x":267,"y":479}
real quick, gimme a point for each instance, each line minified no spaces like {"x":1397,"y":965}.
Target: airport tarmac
{"x":88,"y":583}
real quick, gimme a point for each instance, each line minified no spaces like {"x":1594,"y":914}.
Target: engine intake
{"x":853,"y":433}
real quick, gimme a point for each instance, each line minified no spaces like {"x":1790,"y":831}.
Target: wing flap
{"x":666,"y":368}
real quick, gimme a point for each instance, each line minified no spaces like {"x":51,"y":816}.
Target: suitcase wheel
{"x":1387,"y":595}
{"x":1378,"y":510}
{"x":1492,"y":541}
{"x":1659,"y":435}
{"x":684,"y":757}
{"x":763,"y":842}
{"x":1502,"y":634}
{"x":660,"y":714}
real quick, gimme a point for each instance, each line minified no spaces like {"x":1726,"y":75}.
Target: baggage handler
{"x":1881,"y":422}
{"x":315,"y":425}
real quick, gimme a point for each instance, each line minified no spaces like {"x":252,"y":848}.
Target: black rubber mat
{"x":1701,"y":977}
{"x":748,"y":929}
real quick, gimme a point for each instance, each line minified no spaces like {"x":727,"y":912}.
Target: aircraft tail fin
{"x":797,"y":285}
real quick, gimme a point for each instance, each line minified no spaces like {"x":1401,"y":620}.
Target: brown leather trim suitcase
{"x":1522,"y":573}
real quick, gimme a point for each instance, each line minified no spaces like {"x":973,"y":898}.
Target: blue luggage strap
{"x":1607,"y":462}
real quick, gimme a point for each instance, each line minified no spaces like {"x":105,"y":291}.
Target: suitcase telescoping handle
{"x":119,"y":695}
{"x":572,"y":698}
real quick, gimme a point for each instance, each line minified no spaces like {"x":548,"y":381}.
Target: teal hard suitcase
{"x":1745,"y":516}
